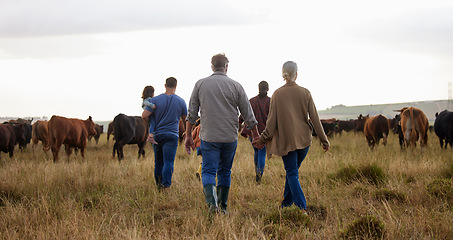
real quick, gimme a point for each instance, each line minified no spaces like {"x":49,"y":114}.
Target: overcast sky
{"x":82,"y":57}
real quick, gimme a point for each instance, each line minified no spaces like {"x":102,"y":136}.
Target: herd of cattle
{"x":410,"y":124}
{"x":74,"y":134}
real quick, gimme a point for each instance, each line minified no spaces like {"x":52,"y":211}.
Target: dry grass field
{"x":352,"y":192}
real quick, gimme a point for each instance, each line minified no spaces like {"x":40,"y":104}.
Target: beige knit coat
{"x":287,"y":127}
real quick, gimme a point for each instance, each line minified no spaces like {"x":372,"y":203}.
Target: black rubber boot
{"x":159,"y":183}
{"x":222,"y":196}
{"x":211,"y":197}
{"x":258,"y":177}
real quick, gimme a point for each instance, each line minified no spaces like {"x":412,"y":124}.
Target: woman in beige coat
{"x":288,"y":133}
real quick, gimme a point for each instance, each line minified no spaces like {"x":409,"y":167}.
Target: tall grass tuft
{"x":366,"y":227}
{"x":371,"y":174}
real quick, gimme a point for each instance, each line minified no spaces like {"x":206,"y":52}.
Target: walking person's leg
{"x":287,"y":196}
{"x":158,"y":165}
{"x":292,"y":174}
{"x":210,"y":162}
{"x":224,"y":173}
{"x":169,"y":148}
{"x":301,"y":154}
{"x":260,"y":163}
{"x":259,"y":160}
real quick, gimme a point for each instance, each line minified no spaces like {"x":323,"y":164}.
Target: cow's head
{"x":437,"y":113}
{"x":401,"y":110}
{"x":360,"y":122}
{"x":91,"y":126}
{"x":99,"y":128}
{"x":397,"y":127}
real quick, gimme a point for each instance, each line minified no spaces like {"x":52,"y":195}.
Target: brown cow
{"x":99,"y":130}
{"x":40,"y":133}
{"x":71,"y":132}
{"x":375,"y":128}
{"x":414,"y":125}
{"x":10,"y":134}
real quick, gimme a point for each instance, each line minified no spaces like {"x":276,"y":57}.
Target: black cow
{"x":329,"y":128}
{"x":10,"y":134}
{"x":129,"y":130}
{"x":345,"y":125}
{"x":99,"y":131}
{"x":27,"y":134}
{"x":26,"y":130}
{"x":443,"y":127}
{"x":393,"y":124}
{"x":396,"y":128}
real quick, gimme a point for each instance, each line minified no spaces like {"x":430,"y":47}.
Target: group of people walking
{"x":277,"y":125}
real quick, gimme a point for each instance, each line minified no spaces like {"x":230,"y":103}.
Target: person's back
{"x":169,"y":109}
{"x":220,"y":98}
{"x":260,"y":105}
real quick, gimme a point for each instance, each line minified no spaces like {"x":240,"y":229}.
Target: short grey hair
{"x":219,"y":62}
{"x":289,"y":71}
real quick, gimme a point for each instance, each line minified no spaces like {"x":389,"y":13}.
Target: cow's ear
{"x":89,"y":118}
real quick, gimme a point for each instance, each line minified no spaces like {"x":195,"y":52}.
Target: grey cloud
{"x":24,"y":18}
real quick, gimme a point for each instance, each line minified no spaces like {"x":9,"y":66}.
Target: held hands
{"x":189,"y":144}
{"x":257,"y":143}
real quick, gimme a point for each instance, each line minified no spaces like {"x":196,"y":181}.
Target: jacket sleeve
{"x":194,"y":105}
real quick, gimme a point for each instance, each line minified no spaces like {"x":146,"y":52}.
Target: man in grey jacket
{"x":218,"y":99}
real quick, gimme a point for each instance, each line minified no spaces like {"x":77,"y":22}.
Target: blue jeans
{"x":260,"y":159}
{"x":217,"y":160}
{"x":164,"y":158}
{"x":293,"y":191}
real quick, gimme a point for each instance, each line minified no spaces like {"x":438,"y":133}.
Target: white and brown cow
{"x":414,"y":126}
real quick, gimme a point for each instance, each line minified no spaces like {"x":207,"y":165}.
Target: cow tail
{"x":413,"y":132}
{"x":384,"y":139}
